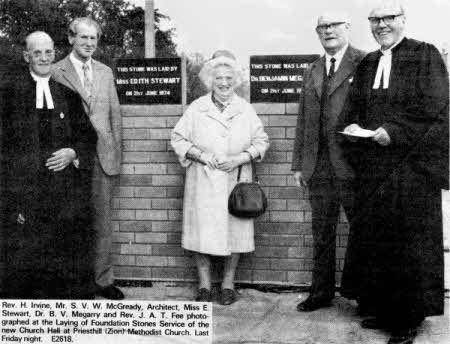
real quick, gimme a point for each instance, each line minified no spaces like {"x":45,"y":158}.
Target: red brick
{"x":283,"y":121}
{"x":291,"y":133}
{"x":275,"y":132}
{"x":300,"y":252}
{"x":167,"y":203}
{"x":175,"y":169}
{"x":160,"y":134}
{"x":280,"y":169}
{"x":123,"y":191}
{"x":175,"y":192}
{"x":174,"y":238}
{"x":166,"y":226}
{"x":277,"y":240}
{"x":134,"y":157}
{"x":171,"y":273}
{"x":123,"y":237}
{"x":269,"y":108}
{"x":269,"y":276}
{"x":134,"y":203}
{"x":286,"y":264}
{"x":127,"y":169}
{"x":272,"y":180}
{"x":135,"y":134}
{"x":167,"y":180}
{"x":299,"y":277}
{"x":135,"y":180}
{"x":268,"y":251}
{"x":123,"y":215}
{"x":115,"y":203}
{"x":123,"y":272}
{"x":150,"y":169}
{"x":282,"y":228}
{"x":145,"y":145}
{"x":292,"y":108}
{"x":308,"y":241}
{"x":151,"y":261}
{"x":123,"y":260}
{"x":180,"y":261}
{"x":167,"y":250}
{"x":136,"y":249}
{"x":143,"y":122}
{"x":135,"y":226}
{"x":307,"y":216}
{"x":298,"y":204}
{"x":244,"y":275}
{"x":260,"y":263}
{"x":276,"y":204}
{"x":155,"y":157}
{"x":151,"y":110}
{"x":172,"y":121}
{"x":151,"y":238}
{"x":276,"y":156}
{"x":282,"y":145}
{"x":175,"y":215}
{"x":151,"y":215}
{"x":286,"y":216}
{"x":150,"y":191}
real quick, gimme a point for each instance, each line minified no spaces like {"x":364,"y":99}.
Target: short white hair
{"x":206,"y":74}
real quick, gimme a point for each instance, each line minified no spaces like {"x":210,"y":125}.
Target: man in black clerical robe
{"x":48,"y":146}
{"x":394,"y":264}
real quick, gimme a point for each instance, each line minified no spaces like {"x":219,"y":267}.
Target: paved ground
{"x":270,"y":318}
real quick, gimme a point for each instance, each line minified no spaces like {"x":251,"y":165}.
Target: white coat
{"x":207,"y":226}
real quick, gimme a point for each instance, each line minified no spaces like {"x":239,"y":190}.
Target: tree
{"x":122,"y":25}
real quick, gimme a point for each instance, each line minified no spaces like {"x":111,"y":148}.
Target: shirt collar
{"x":338,"y":56}
{"x":79,"y":64}
{"x":38,"y":78}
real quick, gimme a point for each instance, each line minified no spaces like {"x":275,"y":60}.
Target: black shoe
{"x":311,"y":304}
{"x":227,"y":297}
{"x":110,"y":292}
{"x":203,"y":295}
{"x":405,"y":336}
{"x":374,"y":324}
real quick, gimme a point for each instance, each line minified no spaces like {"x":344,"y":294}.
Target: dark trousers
{"x":326,"y":196}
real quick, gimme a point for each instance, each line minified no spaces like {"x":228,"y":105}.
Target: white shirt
{"x":338,"y":57}
{"x":384,"y":67}
{"x":79,"y":67}
{"x":42,"y":90}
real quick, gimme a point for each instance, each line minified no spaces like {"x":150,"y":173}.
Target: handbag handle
{"x":254,"y":176}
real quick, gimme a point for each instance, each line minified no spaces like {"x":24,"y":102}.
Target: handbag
{"x":247,"y":200}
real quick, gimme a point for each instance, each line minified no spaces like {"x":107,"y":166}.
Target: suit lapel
{"x":317,"y":75}
{"x":70,"y":75}
{"x":346,"y":67}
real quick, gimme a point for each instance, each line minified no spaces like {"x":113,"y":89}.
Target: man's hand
{"x":381,"y":137}
{"x":60,"y":159}
{"x":351,"y":129}
{"x":299,"y":181}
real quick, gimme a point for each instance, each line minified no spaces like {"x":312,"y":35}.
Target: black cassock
{"x":394,"y":263}
{"x":49,"y":255}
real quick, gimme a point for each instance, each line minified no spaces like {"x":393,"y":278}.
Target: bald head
{"x":39,"y":53}
{"x":333,"y":29}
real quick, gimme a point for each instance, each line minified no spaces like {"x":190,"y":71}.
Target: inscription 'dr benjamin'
{"x":149,"y":81}
{"x":278,"y":78}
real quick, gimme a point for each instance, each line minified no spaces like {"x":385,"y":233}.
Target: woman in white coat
{"x":218,"y":133}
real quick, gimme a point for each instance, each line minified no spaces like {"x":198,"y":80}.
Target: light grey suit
{"x":103,"y":109}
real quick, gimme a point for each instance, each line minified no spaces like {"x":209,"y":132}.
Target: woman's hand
{"x":209,"y":159}
{"x":230,"y":162}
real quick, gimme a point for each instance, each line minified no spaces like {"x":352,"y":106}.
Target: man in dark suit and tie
{"x":94,"y":82}
{"x":318,"y":161}
{"x":394,"y":263}
{"x":48,"y":149}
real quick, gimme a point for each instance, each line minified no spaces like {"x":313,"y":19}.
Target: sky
{"x":278,"y":27}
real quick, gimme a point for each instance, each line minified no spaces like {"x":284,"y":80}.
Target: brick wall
{"x":148,"y":204}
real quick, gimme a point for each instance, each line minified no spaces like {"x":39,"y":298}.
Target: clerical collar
{"x":42,"y":91}
{"x":338,"y":58}
{"x":384,"y":67}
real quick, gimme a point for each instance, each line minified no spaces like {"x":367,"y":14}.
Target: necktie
{"x":331,"y":70}
{"x":87,"y":79}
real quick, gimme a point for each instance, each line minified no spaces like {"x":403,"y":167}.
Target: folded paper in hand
{"x":359,"y":132}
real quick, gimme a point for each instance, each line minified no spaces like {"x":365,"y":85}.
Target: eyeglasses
{"x":323,"y":28}
{"x":386,"y":19}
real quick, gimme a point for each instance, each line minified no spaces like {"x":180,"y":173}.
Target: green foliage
{"x":122,"y":25}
